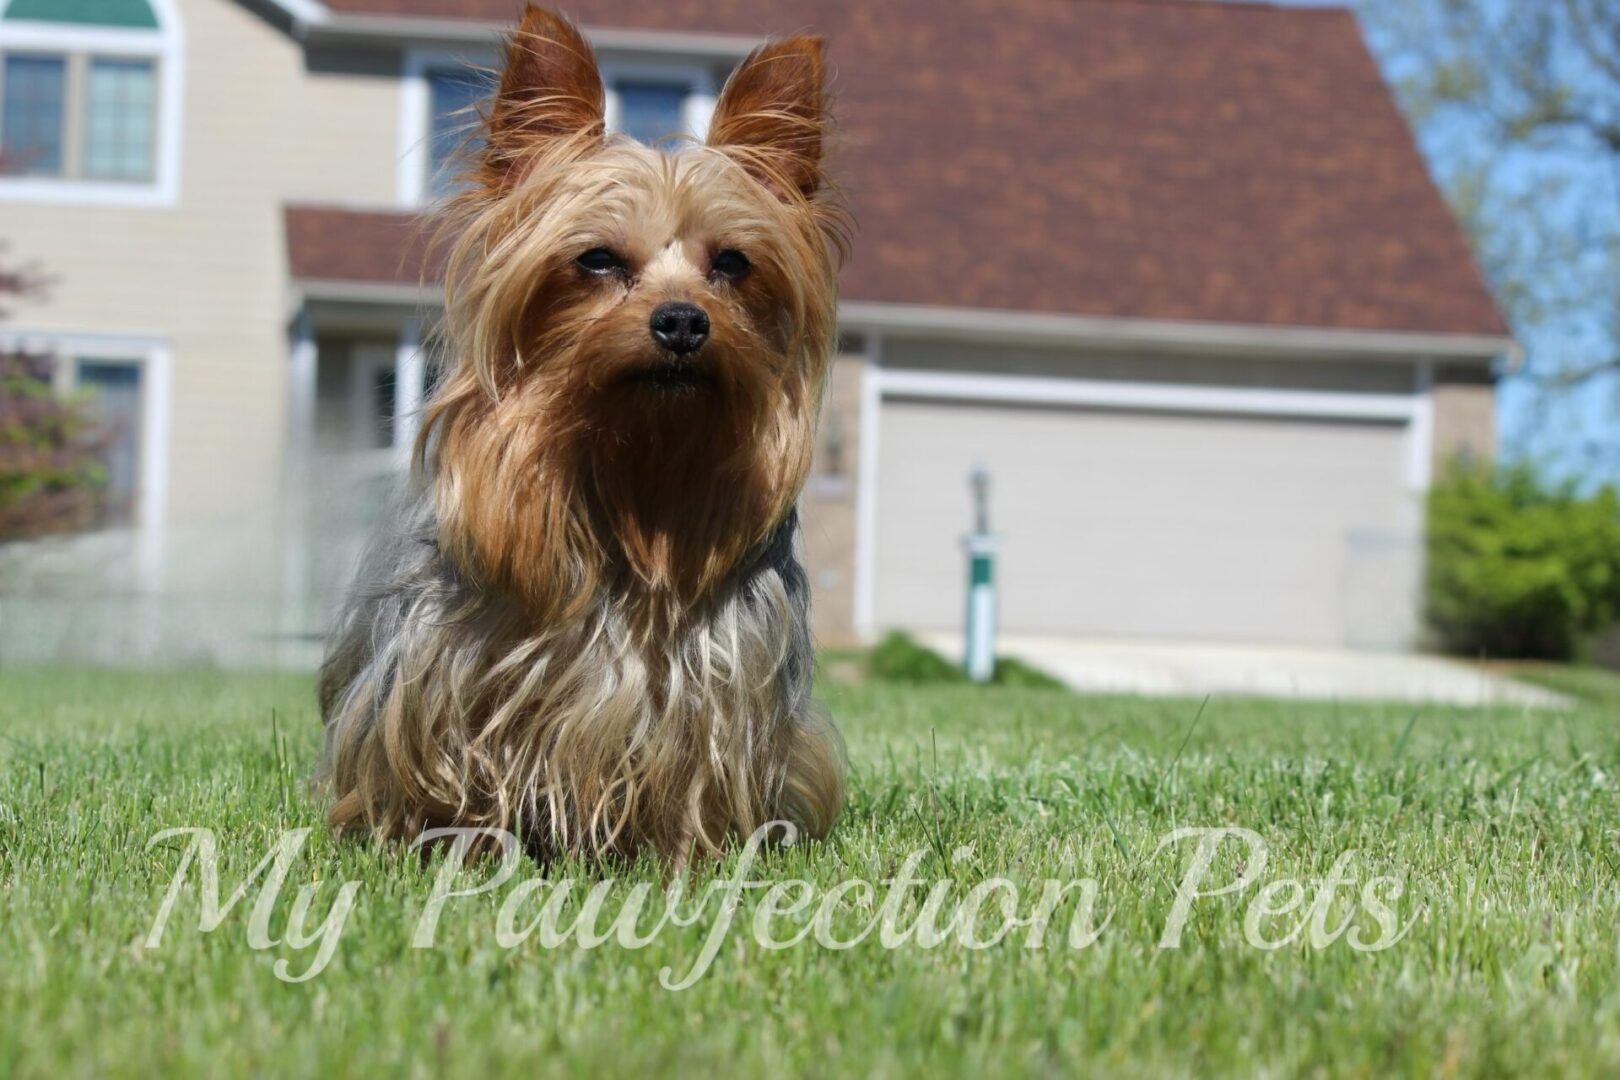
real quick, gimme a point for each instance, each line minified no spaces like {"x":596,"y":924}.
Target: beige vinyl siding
{"x":1464,"y":415}
{"x":209,"y":274}
{"x":261,"y":126}
{"x":347,"y":123}
{"x":1152,"y":525}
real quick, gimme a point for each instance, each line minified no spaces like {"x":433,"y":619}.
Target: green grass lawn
{"x":1503,"y":826}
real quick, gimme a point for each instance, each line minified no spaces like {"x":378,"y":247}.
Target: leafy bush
{"x":901,"y":658}
{"x":1518,"y":567}
{"x":51,"y":475}
{"x":1014,"y":672}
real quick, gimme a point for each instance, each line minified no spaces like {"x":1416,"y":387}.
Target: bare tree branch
{"x":1528,"y":95}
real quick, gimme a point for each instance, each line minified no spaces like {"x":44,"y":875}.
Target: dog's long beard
{"x":681,"y":479}
{"x":606,"y":475}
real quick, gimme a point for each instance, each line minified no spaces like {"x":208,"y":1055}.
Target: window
{"x":114,"y":387}
{"x":383,"y":381}
{"x":443,"y":92}
{"x":454,"y":95}
{"x":658,"y":103}
{"x":370,"y":395}
{"x":118,"y":120}
{"x":127,"y":380}
{"x":31,"y":111}
{"x":89,"y":99}
{"x":109,"y":100}
{"x":652,"y":112}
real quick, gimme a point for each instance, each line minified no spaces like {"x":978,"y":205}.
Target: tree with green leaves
{"x":51,"y":472}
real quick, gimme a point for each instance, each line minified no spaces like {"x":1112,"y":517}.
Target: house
{"x":1171,"y":270}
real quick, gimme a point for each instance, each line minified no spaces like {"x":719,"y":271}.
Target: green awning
{"x":128,"y":13}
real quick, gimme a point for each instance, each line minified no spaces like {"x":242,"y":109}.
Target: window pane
{"x":118,"y":120}
{"x":383,"y":381}
{"x":453,"y":98}
{"x":652,"y":112}
{"x":31,"y":118}
{"x":115,"y":387}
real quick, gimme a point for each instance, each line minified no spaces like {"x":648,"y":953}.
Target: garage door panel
{"x":1152,"y":525}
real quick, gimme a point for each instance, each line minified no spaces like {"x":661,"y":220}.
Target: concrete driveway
{"x":1194,"y":669}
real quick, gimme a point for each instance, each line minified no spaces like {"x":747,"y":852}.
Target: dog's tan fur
{"x":588,"y":622}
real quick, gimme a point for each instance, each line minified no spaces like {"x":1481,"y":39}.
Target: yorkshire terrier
{"x":588,"y":623}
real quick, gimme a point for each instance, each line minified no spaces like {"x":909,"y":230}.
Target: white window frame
{"x":165,"y":47}
{"x":415,"y":122}
{"x":155,"y":357}
{"x":699,"y":107}
{"x":415,"y":100}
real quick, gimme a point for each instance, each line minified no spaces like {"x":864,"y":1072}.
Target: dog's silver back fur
{"x":443,"y":705}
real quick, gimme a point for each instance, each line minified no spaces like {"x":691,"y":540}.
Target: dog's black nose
{"x":680,"y":328}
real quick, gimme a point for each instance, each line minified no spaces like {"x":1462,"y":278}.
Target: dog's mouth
{"x":671,"y":374}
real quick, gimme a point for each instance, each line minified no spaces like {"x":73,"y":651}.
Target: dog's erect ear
{"x":770,"y":115}
{"x":550,"y":89}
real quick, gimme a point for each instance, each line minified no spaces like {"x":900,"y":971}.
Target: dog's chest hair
{"x":467,"y":679}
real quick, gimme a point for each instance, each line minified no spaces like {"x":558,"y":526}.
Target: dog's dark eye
{"x":730,"y":263}
{"x":600,"y":261}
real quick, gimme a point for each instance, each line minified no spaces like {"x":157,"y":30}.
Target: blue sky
{"x":1568,"y":432}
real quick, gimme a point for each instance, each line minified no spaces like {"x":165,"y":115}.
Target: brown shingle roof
{"x":1165,"y":159}
{"x":340,"y":244}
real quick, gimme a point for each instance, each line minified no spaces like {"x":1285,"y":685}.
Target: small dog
{"x":588,"y":623}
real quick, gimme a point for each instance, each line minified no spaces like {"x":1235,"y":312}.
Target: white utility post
{"x":979,"y":652}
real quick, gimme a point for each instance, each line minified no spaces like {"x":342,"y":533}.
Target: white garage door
{"x":1151,"y":525}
